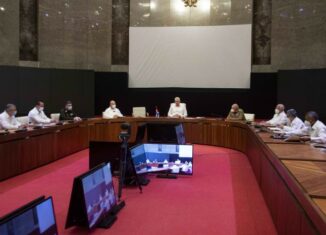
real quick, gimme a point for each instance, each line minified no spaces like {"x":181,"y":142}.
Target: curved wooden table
{"x":292,"y":177}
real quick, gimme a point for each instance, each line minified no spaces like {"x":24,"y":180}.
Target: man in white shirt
{"x":279,"y":117}
{"x":37,"y":115}
{"x":295,"y":125}
{"x":315,"y":129}
{"x":8,"y":120}
{"x":112,"y":111}
{"x":177,"y":109}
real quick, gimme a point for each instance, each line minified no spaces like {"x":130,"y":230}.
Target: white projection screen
{"x":190,"y":56}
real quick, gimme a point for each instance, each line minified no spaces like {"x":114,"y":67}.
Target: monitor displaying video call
{"x":175,"y":159}
{"x":99,"y":195}
{"x":35,"y":219}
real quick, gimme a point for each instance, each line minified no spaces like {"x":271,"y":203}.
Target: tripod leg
{"x":135,"y":173}
{"x":122,"y":172}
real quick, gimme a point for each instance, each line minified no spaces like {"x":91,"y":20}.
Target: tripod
{"x":124,"y":159}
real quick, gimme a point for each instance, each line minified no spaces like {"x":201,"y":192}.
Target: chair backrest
{"x":181,"y":104}
{"x":250,"y":117}
{"x":139,"y":112}
{"x":55,"y":116}
{"x":23,"y":120}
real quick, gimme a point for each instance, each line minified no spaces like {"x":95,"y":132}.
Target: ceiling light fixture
{"x":190,"y":3}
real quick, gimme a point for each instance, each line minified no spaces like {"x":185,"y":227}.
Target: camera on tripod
{"x":125,"y":132}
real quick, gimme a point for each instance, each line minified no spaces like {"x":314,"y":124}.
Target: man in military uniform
{"x":236,"y":114}
{"x":67,"y":113}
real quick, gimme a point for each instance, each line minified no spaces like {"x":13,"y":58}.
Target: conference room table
{"x":291,"y":176}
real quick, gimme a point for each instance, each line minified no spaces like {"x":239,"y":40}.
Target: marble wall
{"x":261,"y":35}
{"x":120,"y":32}
{"x":75,"y":34}
{"x":28,"y":34}
{"x":9,"y":32}
{"x":83,"y":34}
{"x":298,"y":34}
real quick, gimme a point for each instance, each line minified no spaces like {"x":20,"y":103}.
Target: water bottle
{"x":157,"y":113}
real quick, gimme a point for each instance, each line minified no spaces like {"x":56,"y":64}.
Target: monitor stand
{"x":143,"y":180}
{"x":107,"y":221}
{"x":167,"y":176}
{"x":117,"y":208}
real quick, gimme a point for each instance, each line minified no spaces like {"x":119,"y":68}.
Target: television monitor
{"x":93,"y":198}
{"x":35,"y":218}
{"x":173,"y":158}
{"x":141,"y":129}
{"x":166,"y":133}
{"x":104,"y":152}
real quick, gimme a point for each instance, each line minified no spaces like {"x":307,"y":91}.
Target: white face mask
{"x":69,"y":107}
{"x":15,"y":113}
{"x":277,"y":111}
{"x":113,"y":106}
{"x":41,"y":109}
{"x":308,"y":124}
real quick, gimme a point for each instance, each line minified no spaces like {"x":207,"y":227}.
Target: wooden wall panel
{"x":254,"y":154}
{"x":9,"y":159}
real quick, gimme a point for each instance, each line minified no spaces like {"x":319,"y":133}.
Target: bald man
{"x":279,"y":117}
{"x":177,"y":109}
{"x":236,"y":114}
{"x":112,"y":111}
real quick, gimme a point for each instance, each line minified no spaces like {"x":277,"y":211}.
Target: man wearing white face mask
{"x":279,"y":117}
{"x":37,"y":115}
{"x":295,"y":125}
{"x":236,"y":114}
{"x":315,"y":129}
{"x":112,"y":111}
{"x":8,"y":120}
{"x":67,"y":113}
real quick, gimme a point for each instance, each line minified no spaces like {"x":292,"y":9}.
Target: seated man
{"x":236,"y":114}
{"x":279,"y":117}
{"x":295,"y":125}
{"x":8,"y":120}
{"x":37,"y":115}
{"x":177,"y":109}
{"x":67,"y":113}
{"x":316,"y":130}
{"x":112,"y":111}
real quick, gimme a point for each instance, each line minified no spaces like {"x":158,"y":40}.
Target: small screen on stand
{"x":99,"y":194}
{"x":177,"y":159}
{"x":35,"y":219}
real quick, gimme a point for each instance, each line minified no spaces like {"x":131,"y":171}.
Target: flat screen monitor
{"x":93,"y":198}
{"x":105,"y":152}
{"x":167,"y":133}
{"x":35,"y":218}
{"x":99,"y":196}
{"x":176,"y":159}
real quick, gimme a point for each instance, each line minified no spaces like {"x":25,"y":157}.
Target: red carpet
{"x":222,"y":197}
